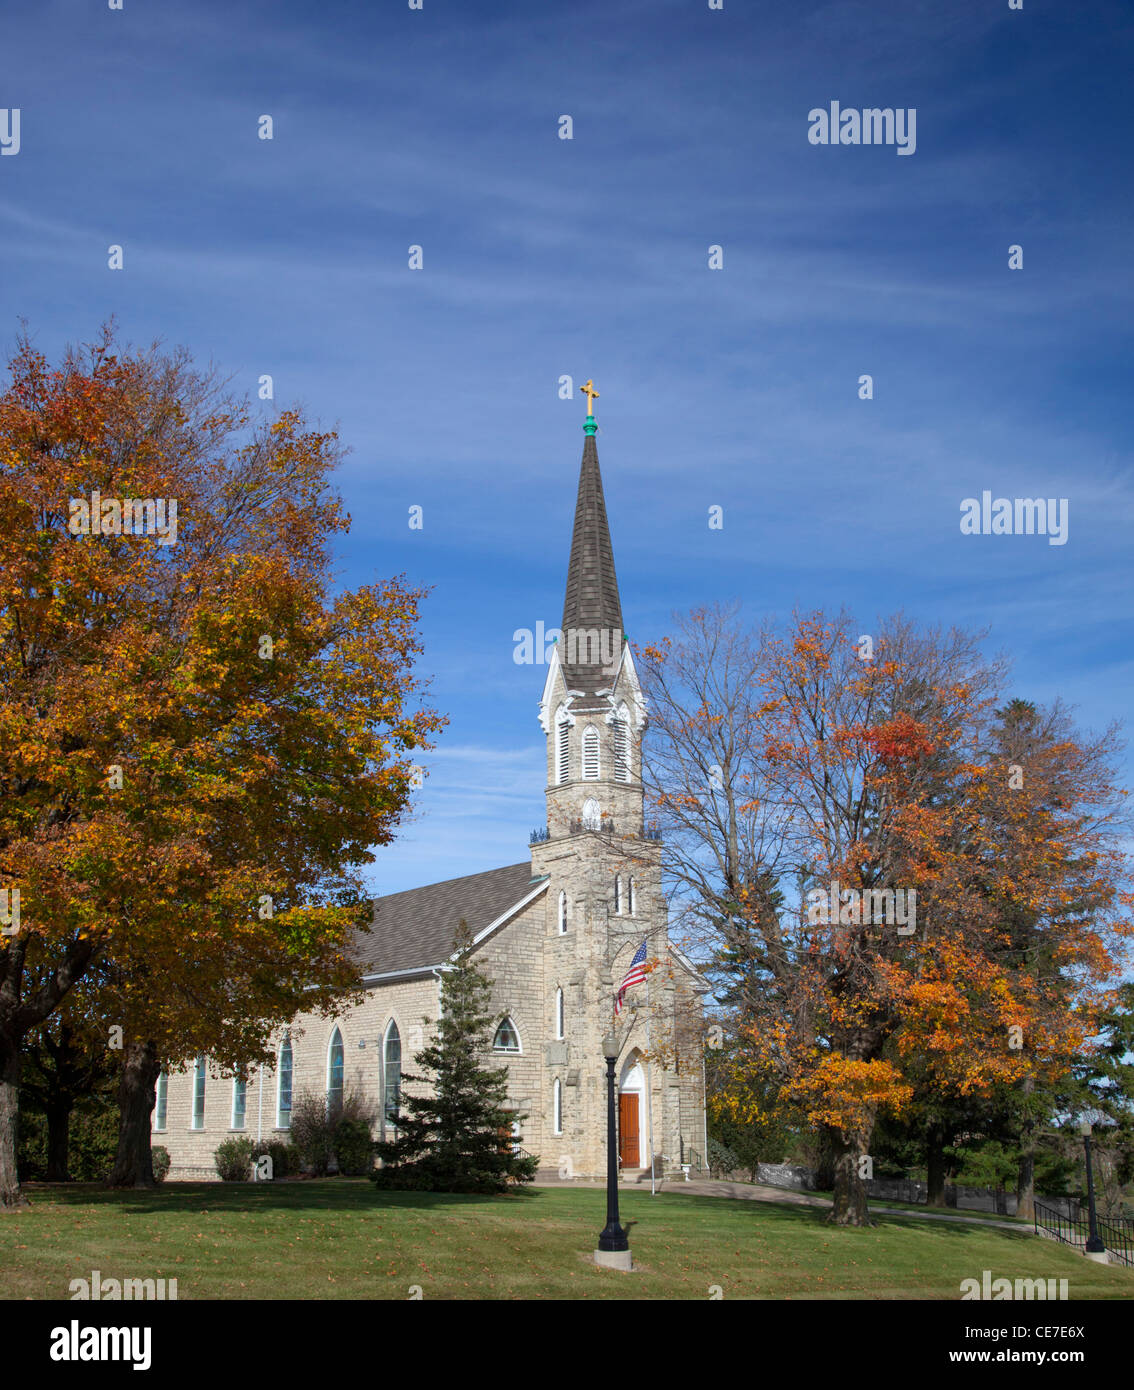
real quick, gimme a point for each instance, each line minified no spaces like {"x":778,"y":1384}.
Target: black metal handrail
{"x":689,"y":1156}
{"x":1115,"y":1232}
{"x":1068,"y":1229}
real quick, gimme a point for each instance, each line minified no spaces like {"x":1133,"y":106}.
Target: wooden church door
{"x":628,"y":1130}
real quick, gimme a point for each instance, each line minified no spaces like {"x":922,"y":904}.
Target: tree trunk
{"x":1026,"y":1186}
{"x":849,"y":1207}
{"x":825,"y":1163}
{"x":935,"y":1168}
{"x":137,"y":1094}
{"x":59,"y":1138}
{"x":10,"y":1195}
{"x":1026,"y":1173}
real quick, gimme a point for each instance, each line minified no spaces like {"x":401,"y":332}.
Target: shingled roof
{"x":591,"y":600}
{"x":414,"y":930}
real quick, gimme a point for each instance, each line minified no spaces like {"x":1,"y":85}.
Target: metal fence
{"x":1115,"y":1232}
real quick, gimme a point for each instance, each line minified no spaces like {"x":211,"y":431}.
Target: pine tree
{"x":459,"y":1137}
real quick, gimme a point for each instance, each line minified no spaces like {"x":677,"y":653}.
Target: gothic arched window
{"x":391,"y":1073}
{"x":562,"y":914}
{"x":633,"y":899}
{"x":590,"y":754}
{"x":559,"y":1013}
{"x":562,"y":745}
{"x":618,"y":895}
{"x":335,"y":1073}
{"x":239,"y":1102}
{"x":592,"y":814}
{"x":283,"y":1090}
{"x":506,"y":1039}
{"x":199,"y":1093}
{"x":557,"y":1106}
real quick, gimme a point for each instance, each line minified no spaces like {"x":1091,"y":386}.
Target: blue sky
{"x":589,"y":257}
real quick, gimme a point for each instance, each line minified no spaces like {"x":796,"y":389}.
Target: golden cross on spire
{"x":590,"y":393}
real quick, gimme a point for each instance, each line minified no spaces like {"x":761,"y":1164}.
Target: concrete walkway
{"x":761,"y":1192}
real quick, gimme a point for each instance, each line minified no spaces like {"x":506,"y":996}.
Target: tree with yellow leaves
{"x":199,"y":740}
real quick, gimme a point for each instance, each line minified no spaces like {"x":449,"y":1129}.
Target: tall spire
{"x":591,"y":603}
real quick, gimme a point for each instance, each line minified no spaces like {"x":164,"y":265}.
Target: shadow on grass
{"x":357,"y":1195}
{"x":968,"y":1213}
{"x":955,"y":1229}
{"x":735,"y":1210}
{"x":329,"y":1194}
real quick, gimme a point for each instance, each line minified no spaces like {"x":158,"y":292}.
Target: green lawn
{"x":339,"y":1238}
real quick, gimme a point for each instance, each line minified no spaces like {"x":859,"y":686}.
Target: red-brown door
{"x":628,"y":1130}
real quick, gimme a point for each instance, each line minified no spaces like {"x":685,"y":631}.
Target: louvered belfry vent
{"x":621,"y":751}
{"x":590,"y":754}
{"x":563,"y":753}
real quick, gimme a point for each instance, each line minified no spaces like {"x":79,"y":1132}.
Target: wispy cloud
{"x":546,"y":258}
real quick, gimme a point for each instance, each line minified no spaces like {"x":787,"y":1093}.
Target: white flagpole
{"x":650,"y":1091}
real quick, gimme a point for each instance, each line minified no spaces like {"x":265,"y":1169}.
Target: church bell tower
{"x":601,"y":857}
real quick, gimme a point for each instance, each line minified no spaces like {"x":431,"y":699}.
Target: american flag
{"x":634,"y":976}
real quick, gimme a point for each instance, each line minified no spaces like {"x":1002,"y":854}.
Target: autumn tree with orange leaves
{"x":817,"y":758}
{"x":199,"y":740}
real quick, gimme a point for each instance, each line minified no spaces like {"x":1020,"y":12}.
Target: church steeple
{"x":591,"y":603}
{"x":602,"y":867}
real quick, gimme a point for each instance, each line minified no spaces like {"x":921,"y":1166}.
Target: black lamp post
{"x":612,"y":1241}
{"x":1094,"y":1244}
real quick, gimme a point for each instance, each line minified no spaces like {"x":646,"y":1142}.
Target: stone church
{"x":556,"y":934}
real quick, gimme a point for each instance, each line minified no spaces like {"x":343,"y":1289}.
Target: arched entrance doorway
{"x":632,"y":1136}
